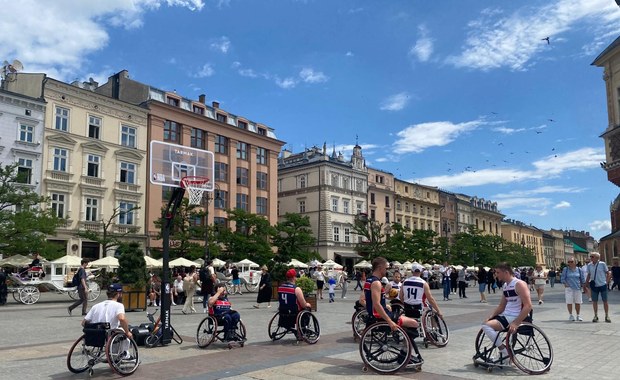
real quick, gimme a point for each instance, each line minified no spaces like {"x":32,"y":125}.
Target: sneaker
{"x":571,"y":318}
{"x":69,"y":311}
{"x":595,"y":319}
{"x":607,"y":319}
{"x":256,"y":306}
{"x":240,"y":293}
{"x":126,"y":356}
{"x":540,"y":302}
{"x":268,"y":306}
{"x":579,"y":319}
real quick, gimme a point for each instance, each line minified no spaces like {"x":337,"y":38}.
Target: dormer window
{"x":199,"y":110}
{"x":262,"y":131}
{"x":242,"y":124}
{"x":221,"y":118}
{"x":174,"y":102}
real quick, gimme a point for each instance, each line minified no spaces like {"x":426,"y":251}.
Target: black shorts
{"x":319,"y":284}
{"x":413,"y":311}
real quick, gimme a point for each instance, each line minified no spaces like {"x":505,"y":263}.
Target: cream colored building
{"x":331,"y":192}
{"x":381,"y":197}
{"x":526,"y":236}
{"x":486,"y":217}
{"x":417,"y":206}
{"x":93,"y":159}
{"x":558,"y":247}
{"x":464,"y":215}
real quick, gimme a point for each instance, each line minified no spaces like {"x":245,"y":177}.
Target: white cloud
{"x":247,"y":73}
{"x":600,"y":225}
{"x":541,"y":190}
{"x":206,"y":71}
{"x":477,"y":178}
{"x":395,"y":102}
{"x":524,"y":202}
{"x":508,"y":131}
{"x":51,"y":37}
{"x":423,"y":47}
{"x":418,"y":137}
{"x":496,"y":40}
{"x":222,"y":45}
{"x":308,"y":75}
{"x":349,"y":54}
{"x":286,"y":83}
{"x":585,"y":158}
{"x":562,"y":204}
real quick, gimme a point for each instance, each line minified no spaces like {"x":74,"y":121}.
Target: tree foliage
{"x":186,"y":238}
{"x":250,"y":240}
{"x":131,"y":265}
{"x":24,"y":225}
{"x":293,"y":238}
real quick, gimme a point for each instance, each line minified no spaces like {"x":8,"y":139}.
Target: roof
{"x":599,"y":60}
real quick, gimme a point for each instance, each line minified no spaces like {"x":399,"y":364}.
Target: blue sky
{"x":462,"y":95}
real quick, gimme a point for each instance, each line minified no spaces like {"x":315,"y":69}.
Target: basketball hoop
{"x":195,"y":187}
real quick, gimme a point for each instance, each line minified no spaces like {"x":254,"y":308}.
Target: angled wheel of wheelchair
{"x":435,"y":329}
{"x":122,"y":353}
{"x":398,"y":308}
{"x":486,"y":351}
{"x":308,"y":327}
{"x":207,"y":331}
{"x":358,"y":323}
{"x":530,"y":349}
{"x":276,"y":331}
{"x":82,"y":357}
{"x":383,"y":350}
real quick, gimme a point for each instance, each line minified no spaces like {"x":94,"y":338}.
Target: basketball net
{"x":195,"y":187}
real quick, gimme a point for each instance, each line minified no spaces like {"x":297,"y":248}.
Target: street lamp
{"x":207,"y":201}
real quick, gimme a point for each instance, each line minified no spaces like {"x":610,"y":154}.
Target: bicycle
{"x":156,"y":335}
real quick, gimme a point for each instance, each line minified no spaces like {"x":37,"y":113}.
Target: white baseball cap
{"x":417,"y":268}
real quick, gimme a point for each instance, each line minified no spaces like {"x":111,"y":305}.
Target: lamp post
{"x":207,"y":201}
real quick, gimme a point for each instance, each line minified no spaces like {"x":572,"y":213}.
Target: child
{"x":332,"y":288}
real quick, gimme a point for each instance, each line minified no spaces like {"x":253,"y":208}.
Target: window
{"x":94,"y":127}
{"x":302,"y":206}
{"x":221,"y":171}
{"x":415,"y":209}
{"x":359,"y":206}
{"x":173,"y":101}
{"x":166,"y":193}
{"x":126,"y":215}
{"x":221,"y":144}
{"x":242,"y":150}
{"x":198,"y":110}
{"x":220,"y":199}
{"x":262,"y":131}
{"x":398,"y":207}
{"x":428,"y":211}
{"x":261,"y":206}
{"x":345,"y":206}
{"x":62,"y":119}
{"x":387,"y":218}
{"x":387,"y":201}
{"x":261,"y":180}
{"x":345,"y":183}
{"x":171,"y":131}
{"x":379,"y":178}
{"x":261,"y":156}
{"x":335,"y":204}
{"x":24,"y":171}
{"x":242,"y":202}
{"x":58,"y":205}
{"x":242,"y":124}
{"x":347,"y":235}
{"x":372,"y":214}
{"x":219,"y":223}
{"x":302,"y":182}
{"x":242,"y":176}
{"x":220,"y":117}
{"x":26,"y":133}
{"x":336,"y":233}
{"x":406,"y":189}
{"x":128,"y":136}
{"x":372,"y":198}
{"x":92,"y":205}
{"x":128,"y":173}
{"x":60,"y":160}
{"x":93,"y":165}
{"x":197,"y":139}
{"x":407,"y":206}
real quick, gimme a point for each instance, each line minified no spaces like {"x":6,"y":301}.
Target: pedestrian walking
{"x":491,"y":280}
{"x":82,"y":289}
{"x":584,"y":269}
{"x":319,"y":276}
{"x":177,"y":291}
{"x":462,"y":282}
{"x":598,"y":277}
{"x":332,"y":288}
{"x":189,"y":287}
{"x":615,"y":274}
{"x":445,"y":271}
{"x":264,"y":288}
{"x":574,"y":281}
{"x":540,"y":279}
{"x":344,"y":281}
{"x":481,"y":276}
{"x":454,"y":279}
{"x":236,"y":281}
{"x":552,"y":275}
{"x":358,"y":279}
{"x":207,"y":278}
{"x":3,"y":288}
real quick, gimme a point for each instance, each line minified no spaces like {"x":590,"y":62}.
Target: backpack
{"x":75,"y":281}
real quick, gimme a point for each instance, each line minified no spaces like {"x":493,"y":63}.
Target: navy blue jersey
{"x":368,"y":295}
{"x":221,"y":306}
{"x":287,"y":297}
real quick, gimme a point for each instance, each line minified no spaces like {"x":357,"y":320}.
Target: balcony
{"x":91,"y":226}
{"x":126,"y":229}
{"x":59,"y":176}
{"x":92,"y":181}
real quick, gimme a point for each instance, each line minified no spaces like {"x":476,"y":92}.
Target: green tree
{"x":293,"y":237}
{"x":24,"y":225}
{"x":424,"y":247}
{"x":398,"y":245}
{"x":106,"y":237}
{"x":250,"y":240}
{"x":186,"y":237}
{"x":373,"y":239}
{"x":131,"y":265}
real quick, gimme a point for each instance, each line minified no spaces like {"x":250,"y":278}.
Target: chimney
{"x":216,"y":104}
{"x":201,"y":98}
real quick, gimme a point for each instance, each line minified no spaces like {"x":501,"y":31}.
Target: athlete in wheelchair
{"x":220,"y":314}
{"x":415,"y":294}
{"x":106,"y":338}
{"x":293,"y":314}
{"x":385,"y":345}
{"x":508,"y":335}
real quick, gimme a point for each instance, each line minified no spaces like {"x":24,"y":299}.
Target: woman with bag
{"x":574,"y":280}
{"x":189,"y":287}
{"x":264,"y":288}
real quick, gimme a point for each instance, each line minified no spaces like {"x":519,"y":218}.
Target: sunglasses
{"x":570,"y":261}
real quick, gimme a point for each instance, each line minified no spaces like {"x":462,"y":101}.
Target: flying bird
{"x":500,"y":144}
{"x":553,"y":149}
{"x":551,"y":120}
{"x":546,"y":39}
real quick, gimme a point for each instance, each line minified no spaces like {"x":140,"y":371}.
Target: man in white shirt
{"x":177,"y":291}
{"x":111,"y":311}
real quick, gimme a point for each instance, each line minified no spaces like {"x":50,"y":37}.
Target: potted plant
{"x":307,"y":286}
{"x":278,"y":276}
{"x":133,"y":275}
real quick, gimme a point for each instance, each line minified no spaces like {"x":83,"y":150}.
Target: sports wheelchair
{"x":100,"y":344}
{"x":528,"y":348}
{"x":212,"y":328}
{"x":360,"y":316}
{"x":304,"y":325}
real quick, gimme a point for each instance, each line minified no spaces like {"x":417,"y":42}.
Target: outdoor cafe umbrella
{"x":109,"y":262}
{"x":297,"y":264}
{"x":363,"y":264}
{"x":182,"y":262}
{"x":247,"y":263}
{"x":407,"y":265}
{"x":152,"y":263}
{"x":217,"y":263}
{"x":68,"y":260}
{"x":16,"y":261}
{"x":331,"y":264}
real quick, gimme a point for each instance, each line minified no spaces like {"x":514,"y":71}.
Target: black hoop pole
{"x":173,"y":204}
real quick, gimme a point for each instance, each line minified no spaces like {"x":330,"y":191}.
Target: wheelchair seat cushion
{"x":95,"y":334}
{"x":287,"y":319}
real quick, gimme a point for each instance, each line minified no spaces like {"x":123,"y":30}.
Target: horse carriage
{"x":53,"y":276}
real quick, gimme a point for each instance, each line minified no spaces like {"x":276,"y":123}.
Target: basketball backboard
{"x":169,"y":163}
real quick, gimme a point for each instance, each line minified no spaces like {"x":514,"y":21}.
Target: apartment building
{"x":558,"y":247}
{"x":246,"y":152}
{"x":486,"y":217}
{"x":381,"y":197}
{"x":93,"y":159}
{"x":530,"y":237}
{"x":331,"y":191}
{"x":449,"y":216}
{"x":464,"y":216}
{"x":609,"y":60}
{"x":419,"y":206}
